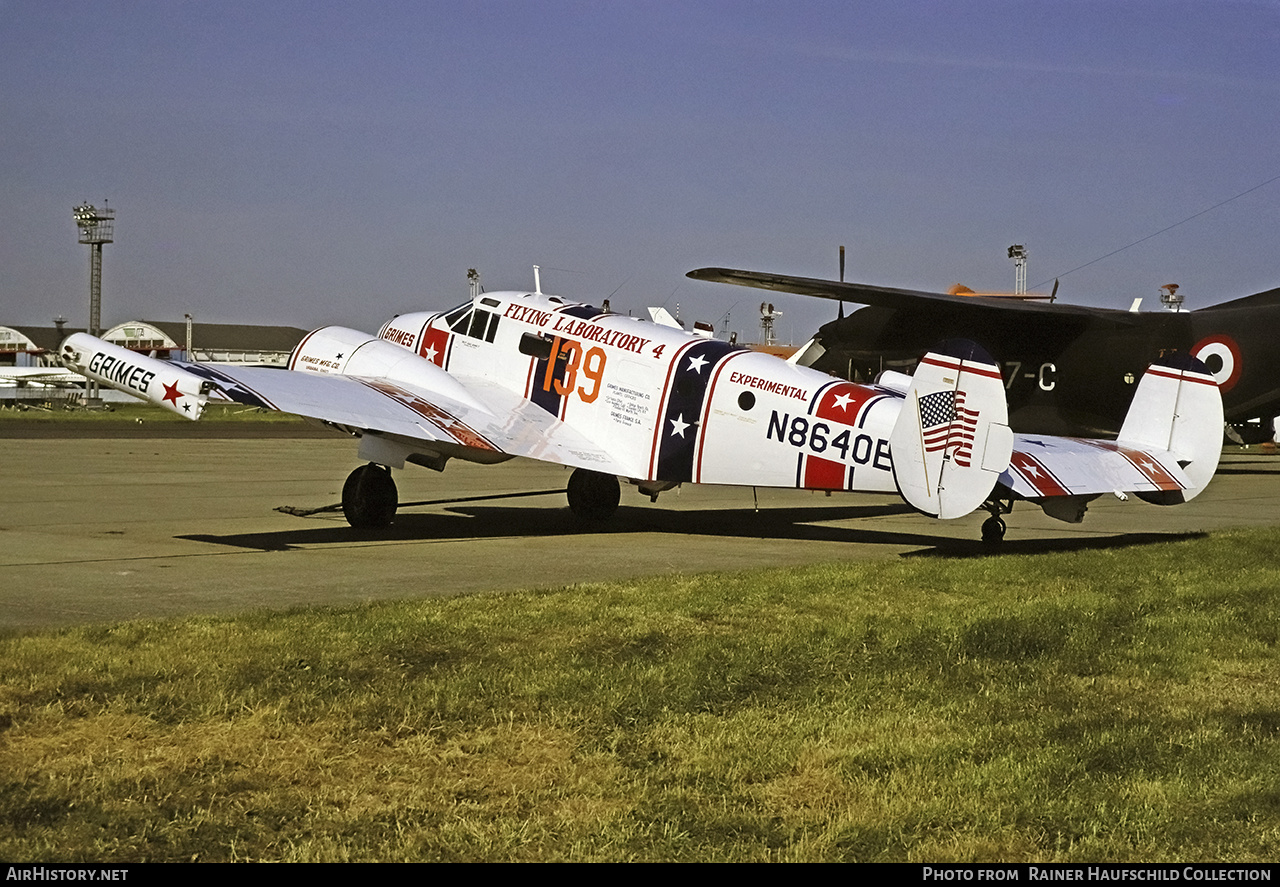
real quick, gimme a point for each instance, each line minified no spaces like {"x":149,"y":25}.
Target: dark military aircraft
{"x":1068,"y":369}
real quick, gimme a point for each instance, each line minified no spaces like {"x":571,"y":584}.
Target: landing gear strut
{"x":593,"y":496}
{"x":369,"y":497}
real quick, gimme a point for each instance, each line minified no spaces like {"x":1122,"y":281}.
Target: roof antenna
{"x":841,"y":316}
{"x":537,"y":282}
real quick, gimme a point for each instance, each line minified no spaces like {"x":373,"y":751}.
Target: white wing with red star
{"x":435,"y":415}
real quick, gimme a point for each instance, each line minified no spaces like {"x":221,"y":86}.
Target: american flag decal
{"x":948,"y":425}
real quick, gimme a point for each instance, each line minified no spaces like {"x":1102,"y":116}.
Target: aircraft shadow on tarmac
{"x":1265,"y":465}
{"x":804,"y":524}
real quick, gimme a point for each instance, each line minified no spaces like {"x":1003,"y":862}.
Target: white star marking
{"x":678,"y":425}
{"x":1031,"y":470}
{"x":842,"y":401}
{"x":696,"y":364}
{"x":431,"y":353}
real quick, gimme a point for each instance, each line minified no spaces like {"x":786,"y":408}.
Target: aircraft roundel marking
{"x":1227,"y":351}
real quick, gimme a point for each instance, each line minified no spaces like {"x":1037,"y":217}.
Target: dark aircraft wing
{"x":892,"y":297}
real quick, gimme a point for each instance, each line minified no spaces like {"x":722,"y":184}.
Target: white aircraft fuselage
{"x":668,"y":406}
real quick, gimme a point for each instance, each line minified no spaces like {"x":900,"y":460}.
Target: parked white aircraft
{"x":526,"y":374}
{"x":44,"y":376}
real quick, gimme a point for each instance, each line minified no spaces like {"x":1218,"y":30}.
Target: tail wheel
{"x":369,"y":497}
{"x":993,"y":530}
{"x":593,"y":496}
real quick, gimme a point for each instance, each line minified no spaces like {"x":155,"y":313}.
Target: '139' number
{"x":591,"y":363}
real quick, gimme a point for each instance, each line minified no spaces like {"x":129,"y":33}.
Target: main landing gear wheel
{"x":593,"y":496}
{"x":993,"y":530}
{"x":369,"y":497}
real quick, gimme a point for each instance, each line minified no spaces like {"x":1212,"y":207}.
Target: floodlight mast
{"x":767,"y":317}
{"x":1018,"y":253}
{"x":97,"y":226}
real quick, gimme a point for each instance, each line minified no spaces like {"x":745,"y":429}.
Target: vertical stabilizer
{"x":1178,"y":408}
{"x":952,"y":439}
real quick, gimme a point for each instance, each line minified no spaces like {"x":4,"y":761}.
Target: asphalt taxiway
{"x":104,"y":529}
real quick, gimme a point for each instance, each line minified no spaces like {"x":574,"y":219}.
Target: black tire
{"x":593,"y":496}
{"x":993,"y":530}
{"x":369,"y":497}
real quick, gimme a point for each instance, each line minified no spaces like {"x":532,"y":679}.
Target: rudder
{"x":952,"y":439}
{"x":1178,"y":408}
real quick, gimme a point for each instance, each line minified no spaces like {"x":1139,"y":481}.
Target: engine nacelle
{"x":346,"y":352}
{"x":407,"y":329}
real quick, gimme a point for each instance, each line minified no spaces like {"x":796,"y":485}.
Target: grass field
{"x":1114,"y":705}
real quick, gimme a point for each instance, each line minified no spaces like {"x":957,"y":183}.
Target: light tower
{"x":767,"y":317}
{"x":1018,"y":253}
{"x":97,"y":226}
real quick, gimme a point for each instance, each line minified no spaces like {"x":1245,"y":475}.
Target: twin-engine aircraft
{"x":610,"y":396}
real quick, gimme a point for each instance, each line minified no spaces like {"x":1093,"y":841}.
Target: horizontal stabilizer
{"x":952,"y":437}
{"x":1045,"y":467}
{"x":155,"y":381}
{"x":1166,"y":453}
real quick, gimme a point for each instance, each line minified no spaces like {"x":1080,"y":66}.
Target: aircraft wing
{"x":892,"y":297}
{"x":486,"y":423}
{"x":493,"y":421}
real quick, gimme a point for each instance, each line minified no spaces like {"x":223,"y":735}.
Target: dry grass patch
{"x":1110,"y":705}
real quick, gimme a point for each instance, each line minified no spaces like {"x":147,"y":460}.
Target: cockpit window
{"x":455,"y":318}
{"x":476,"y":324}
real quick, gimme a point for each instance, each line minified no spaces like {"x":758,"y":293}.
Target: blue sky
{"x":320,"y":162}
